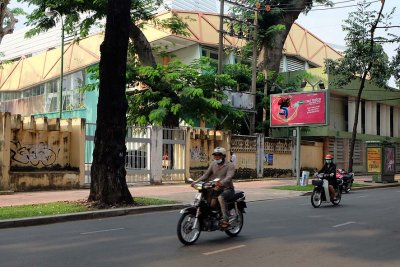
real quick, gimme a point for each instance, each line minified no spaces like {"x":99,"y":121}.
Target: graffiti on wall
{"x":32,"y":154}
{"x":198,"y":155}
{"x":389,"y":165}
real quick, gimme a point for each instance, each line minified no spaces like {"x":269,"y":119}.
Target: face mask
{"x":328,"y":161}
{"x":218,"y":161}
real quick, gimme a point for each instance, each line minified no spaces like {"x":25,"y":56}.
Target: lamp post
{"x":51,"y":13}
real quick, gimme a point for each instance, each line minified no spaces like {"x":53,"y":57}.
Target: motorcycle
{"x":205,"y":214}
{"x":321,"y":191}
{"x":347,"y":178}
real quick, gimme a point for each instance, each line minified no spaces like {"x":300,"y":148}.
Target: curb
{"x":363,"y":188}
{"x":31,"y":221}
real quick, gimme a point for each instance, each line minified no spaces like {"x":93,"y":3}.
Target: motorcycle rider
{"x":225,"y":170}
{"x":330,"y":168}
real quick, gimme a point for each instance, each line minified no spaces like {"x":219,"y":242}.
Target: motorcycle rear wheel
{"x":237,"y":224}
{"x":186,"y":234}
{"x":316,"y":198}
{"x":348,"y":187}
{"x":338,"y":198}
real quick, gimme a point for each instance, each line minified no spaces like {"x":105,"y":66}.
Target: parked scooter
{"x":347,"y":178}
{"x":321,"y":191}
{"x":205,"y":213}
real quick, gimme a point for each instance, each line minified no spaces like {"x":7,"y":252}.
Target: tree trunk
{"x":7,"y":19}
{"x":271,"y":54}
{"x":358,"y":99}
{"x":108,"y":174}
{"x":141,"y":45}
{"x":354,"y":133}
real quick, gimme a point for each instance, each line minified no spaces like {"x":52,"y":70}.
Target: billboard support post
{"x":298,"y":146}
{"x":298,"y":110}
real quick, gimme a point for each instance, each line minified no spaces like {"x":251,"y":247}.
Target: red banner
{"x":306,"y":108}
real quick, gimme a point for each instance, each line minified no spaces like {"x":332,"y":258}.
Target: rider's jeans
{"x":227,"y":194}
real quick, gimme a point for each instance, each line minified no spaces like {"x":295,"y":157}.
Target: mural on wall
{"x":32,"y":154}
{"x":197,"y":154}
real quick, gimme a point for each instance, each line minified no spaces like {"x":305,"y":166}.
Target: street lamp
{"x":51,"y":13}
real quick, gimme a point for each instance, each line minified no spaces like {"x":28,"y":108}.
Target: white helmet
{"x":219,"y":150}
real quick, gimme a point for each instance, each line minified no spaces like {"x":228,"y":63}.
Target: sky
{"x":325,"y":23}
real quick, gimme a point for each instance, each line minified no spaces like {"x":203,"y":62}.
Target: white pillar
{"x":156,"y":155}
{"x":396,"y":124}
{"x":352,"y":110}
{"x":384,"y":120}
{"x":370,"y":117}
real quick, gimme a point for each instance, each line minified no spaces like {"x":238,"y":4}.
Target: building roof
{"x":41,"y":62}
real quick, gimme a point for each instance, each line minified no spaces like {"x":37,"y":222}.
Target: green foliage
{"x":395,"y":67}
{"x":363,"y":55}
{"x":241,"y":73}
{"x":82,"y":15}
{"x":18,"y":12}
{"x":181,"y":92}
{"x":175,"y":24}
{"x":93,"y":76}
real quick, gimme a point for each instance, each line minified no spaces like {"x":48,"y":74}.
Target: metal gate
{"x":152,"y":152}
{"x":173,"y":151}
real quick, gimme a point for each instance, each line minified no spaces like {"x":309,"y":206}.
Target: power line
{"x":328,"y":8}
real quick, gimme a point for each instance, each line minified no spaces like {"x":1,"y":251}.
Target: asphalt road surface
{"x":362,"y":231}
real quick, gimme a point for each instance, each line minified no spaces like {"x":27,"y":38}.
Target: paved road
{"x":362,"y":231}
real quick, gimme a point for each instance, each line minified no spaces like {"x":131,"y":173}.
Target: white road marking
{"x":222,"y":250}
{"x":102,"y":231}
{"x":343,"y":224}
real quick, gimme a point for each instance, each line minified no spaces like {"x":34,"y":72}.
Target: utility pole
{"x":264,"y":119}
{"x":254,"y":69}
{"x":221,"y":36}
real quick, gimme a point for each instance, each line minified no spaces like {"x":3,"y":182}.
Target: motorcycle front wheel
{"x":186,"y":233}
{"x":316,"y":198}
{"x":236,"y":224}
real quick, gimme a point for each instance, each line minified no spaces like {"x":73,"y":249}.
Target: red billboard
{"x":298,"y":109}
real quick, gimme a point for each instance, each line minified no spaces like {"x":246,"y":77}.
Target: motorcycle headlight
{"x":198,"y":186}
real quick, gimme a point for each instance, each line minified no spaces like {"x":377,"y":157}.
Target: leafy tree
{"x":108,"y":174}
{"x":178,"y":92}
{"x":364,"y":57}
{"x":273,"y":28}
{"x":395,"y":66}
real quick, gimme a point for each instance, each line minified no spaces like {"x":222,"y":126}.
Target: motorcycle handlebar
{"x":323,"y":175}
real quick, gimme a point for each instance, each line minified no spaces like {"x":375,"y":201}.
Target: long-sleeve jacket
{"x":328,"y":169}
{"x":225,"y":172}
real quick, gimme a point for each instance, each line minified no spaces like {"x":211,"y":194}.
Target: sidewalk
{"x":255,"y":190}
{"x":183,"y":193}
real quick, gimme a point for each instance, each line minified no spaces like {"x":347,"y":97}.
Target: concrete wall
{"x":41,"y":153}
{"x":202,"y":146}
